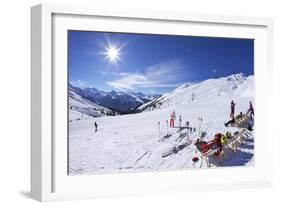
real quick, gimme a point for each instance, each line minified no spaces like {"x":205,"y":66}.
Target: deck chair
{"x":232,"y":143}
{"x":241,"y":122}
{"x":236,"y":140}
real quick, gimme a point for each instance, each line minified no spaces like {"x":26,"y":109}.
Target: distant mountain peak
{"x":124,"y":102}
{"x":233,"y":77}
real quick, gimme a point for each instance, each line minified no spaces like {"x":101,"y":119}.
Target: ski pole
{"x":159,"y":128}
{"x":167,"y":126}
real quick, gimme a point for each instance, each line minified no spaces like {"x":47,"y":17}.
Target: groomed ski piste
{"x":134,"y":142}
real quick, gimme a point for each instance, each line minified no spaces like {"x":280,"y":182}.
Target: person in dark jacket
{"x":251,"y":110}
{"x":96,"y":127}
{"x":232,"y":108}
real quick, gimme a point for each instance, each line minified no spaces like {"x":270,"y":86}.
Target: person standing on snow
{"x":172,"y":119}
{"x":96,"y":127}
{"x":187,"y":124}
{"x":192,"y":97}
{"x":232,"y":108}
{"x":251,"y":110}
{"x":180,"y":120}
{"x":158,"y":128}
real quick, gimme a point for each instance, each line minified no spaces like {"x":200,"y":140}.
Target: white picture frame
{"x":49,"y":180}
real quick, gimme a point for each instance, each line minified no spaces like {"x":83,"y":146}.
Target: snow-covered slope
{"x":80,"y":107}
{"x":130,"y":142}
{"x":225,"y":87}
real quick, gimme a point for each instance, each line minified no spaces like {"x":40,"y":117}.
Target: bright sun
{"x":112,"y":51}
{"x":113,"y":54}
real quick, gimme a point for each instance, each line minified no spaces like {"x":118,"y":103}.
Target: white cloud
{"x":156,"y":85}
{"x":80,"y":83}
{"x":130,"y":81}
{"x":114,"y":73}
{"x":164,"y":74}
{"x":165,"y":71}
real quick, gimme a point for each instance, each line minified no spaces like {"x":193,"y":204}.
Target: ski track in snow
{"x":130,"y":143}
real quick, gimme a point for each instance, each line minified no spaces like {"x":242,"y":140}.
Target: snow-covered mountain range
{"x":79,"y":106}
{"x":122,"y":102}
{"x":130,"y":143}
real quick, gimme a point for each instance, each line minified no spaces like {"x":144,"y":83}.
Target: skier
{"x":172,"y":119}
{"x":187,"y":124}
{"x":232,"y":107}
{"x":225,"y":138}
{"x":180,"y":120}
{"x":251,"y":110}
{"x":217,"y":143}
{"x":158,"y":128}
{"x":192,"y":97}
{"x":96,"y":127}
{"x":204,"y":146}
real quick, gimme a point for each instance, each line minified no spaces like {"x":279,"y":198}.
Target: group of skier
{"x":250,"y":111}
{"x":221,"y":139}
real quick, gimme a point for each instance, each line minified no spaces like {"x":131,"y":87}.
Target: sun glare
{"x":112,"y":54}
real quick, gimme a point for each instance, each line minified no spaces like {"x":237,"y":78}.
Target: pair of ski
{"x":167,"y":136}
{"x":176,"y":149}
{"x":181,"y":136}
{"x":163,"y":139}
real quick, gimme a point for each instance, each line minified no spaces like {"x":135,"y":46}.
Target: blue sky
{"x":153,"y":63}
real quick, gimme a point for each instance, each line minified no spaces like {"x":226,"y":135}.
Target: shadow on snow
{"x":238,"y":158}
